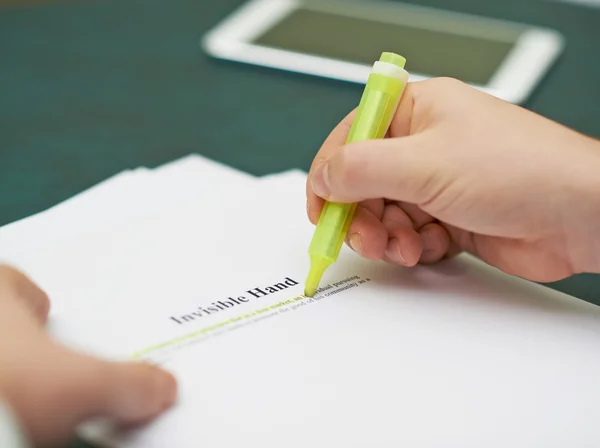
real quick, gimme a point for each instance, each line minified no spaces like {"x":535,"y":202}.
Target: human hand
{"x":464,"y":171}
{"x":52,"y":389}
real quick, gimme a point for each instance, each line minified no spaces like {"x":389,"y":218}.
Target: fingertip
{"x":366,"y":235}
{"x":166,"y":387}
{"x":436,"y":243}
{"x":162,"y":385}
{"x":41,"y":308}
{"x":354,"y":241}
{"x":314,"y":205}
{"x":404,"y":248}
{"x":138,"y":392}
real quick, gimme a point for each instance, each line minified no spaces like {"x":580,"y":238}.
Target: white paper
{"x":58,"y":219}
{"x":125,"y":197}
{"x":454,"y":355}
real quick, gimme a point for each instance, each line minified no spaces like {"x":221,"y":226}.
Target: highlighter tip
{"x":310,"y":291}
{"x":318,"y":266}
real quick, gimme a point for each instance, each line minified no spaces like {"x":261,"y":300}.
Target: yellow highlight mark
{"x":195,"y":334}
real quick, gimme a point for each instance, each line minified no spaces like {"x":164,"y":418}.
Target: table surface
{"x":90,"y":88}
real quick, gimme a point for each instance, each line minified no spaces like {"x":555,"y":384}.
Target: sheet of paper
{"x":78,"y":207}
{"x":452,"y":355}
{"x":122,"y":198}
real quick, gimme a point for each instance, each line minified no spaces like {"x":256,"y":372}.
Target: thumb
{"x":75,"y":388}
{"x":129,"y":393}
{"x":396,"y":168}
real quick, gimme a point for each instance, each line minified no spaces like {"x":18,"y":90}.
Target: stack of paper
{"x":200,"y":268}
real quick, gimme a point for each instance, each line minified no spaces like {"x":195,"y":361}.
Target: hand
{"x":51,"y":389}
{"x":464,"y":171}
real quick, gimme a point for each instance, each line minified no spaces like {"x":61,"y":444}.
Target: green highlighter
{"x":374,"y":115}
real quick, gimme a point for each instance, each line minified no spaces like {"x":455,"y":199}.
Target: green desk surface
{"x":90,"y":88}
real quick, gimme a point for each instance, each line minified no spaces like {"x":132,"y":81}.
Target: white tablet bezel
{"x":516,"y":77}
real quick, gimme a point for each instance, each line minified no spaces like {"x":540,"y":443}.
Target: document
{"x":452,"y":355}
{"x":127,"y":196}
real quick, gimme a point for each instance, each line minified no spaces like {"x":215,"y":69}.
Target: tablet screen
{"x":464,"y":50}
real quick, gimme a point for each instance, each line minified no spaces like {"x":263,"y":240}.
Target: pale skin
{"x":459,"y":171}
{"x":52,"y":389}
{"x":464,"y":171}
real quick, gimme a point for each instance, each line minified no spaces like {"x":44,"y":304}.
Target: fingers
{"x":16,"y":286}
{"x":417,"y":216}
{"x":414,"y":236}
{"x":365,"y":172}
{"x":402,"y":234}
{"x":367,"y":236}
{"x":68,"y":389}
{"x":125,"y":393}
{"x":132,"y":393}
{"x":399,"y":169}
{"x":404,"y":244}
{"x":436,"y":243}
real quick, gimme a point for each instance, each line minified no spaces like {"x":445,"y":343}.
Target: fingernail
{"x":356,"y":243}
{"x":394,"y":252}
{"x":320,"y":180}
{"x":308,"y":208}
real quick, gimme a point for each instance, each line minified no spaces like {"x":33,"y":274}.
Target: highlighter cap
{"x":393,"y":58}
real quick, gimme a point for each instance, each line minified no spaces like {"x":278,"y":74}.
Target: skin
{"x":52,"y":389}
{"x":464,"y":171}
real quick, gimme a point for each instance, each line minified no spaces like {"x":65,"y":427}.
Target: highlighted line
{"x":195,"y":334}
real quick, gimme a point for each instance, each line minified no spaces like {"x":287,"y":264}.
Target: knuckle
{"x":432,"y":97}
{"x":444,"y":87}
{"x":446,"y":83}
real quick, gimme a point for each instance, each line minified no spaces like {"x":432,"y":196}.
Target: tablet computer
{"x":341,"y":39}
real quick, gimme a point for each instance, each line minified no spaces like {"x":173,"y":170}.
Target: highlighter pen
{"x":374,"y":115}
